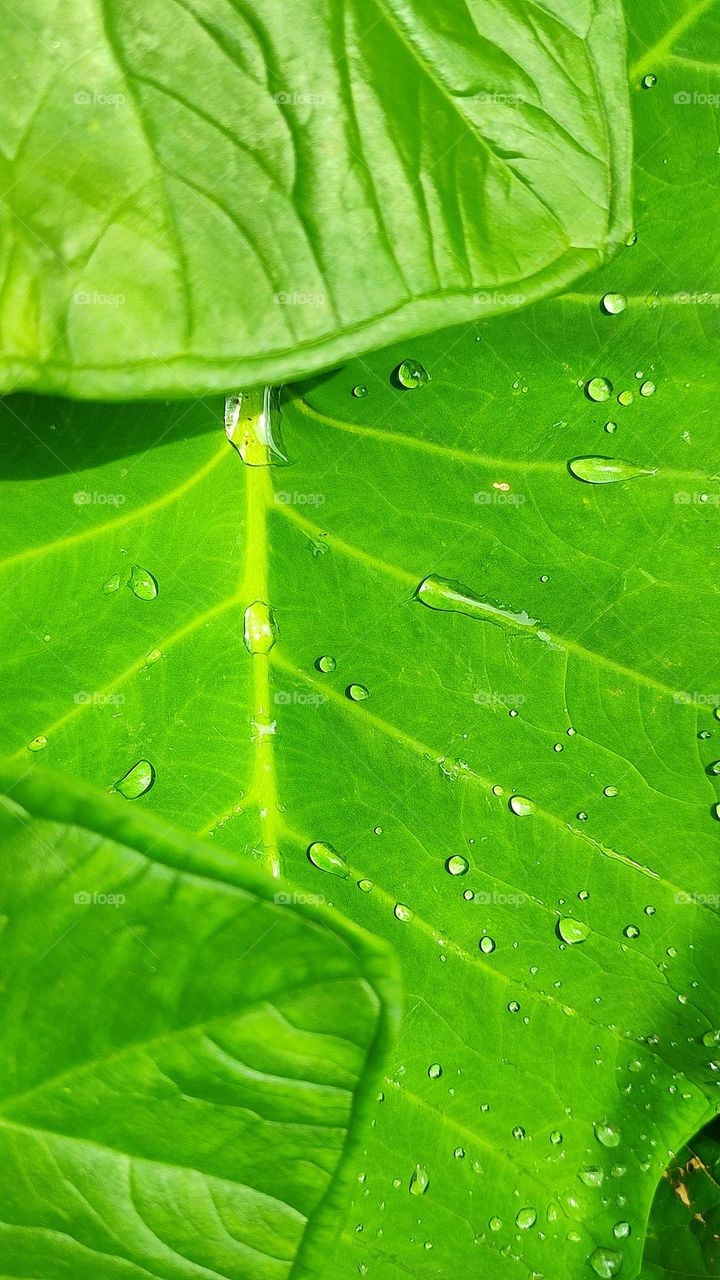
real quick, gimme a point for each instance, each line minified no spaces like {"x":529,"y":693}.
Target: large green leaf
{"x":683,"y":1240}
{"x":187,"y":1050}
{"x":209,"y":190}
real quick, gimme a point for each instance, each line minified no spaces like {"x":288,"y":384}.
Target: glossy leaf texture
{"x":187,"y":1049}
{"x":204,"y":191}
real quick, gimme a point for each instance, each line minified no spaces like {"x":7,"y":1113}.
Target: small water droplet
{"x":137,"y":781}
{"x":626,"y":398}
{"x":606,"y":1263}
{"x":37,"y":744}
{"x":401,"y":912}
{"x":591,"y":1176}
{"x":360,"y":392}
{"x":522,"y":806}
{"x":631,"y":931}
{"x":598,"y":389}
{"x":260,"y":628}
{"x":435,"y":1071}
{"x":325,"y":663}
{"x":357,"y":692}
{"x":112,"y":584}
{"x":649,"y":81}
{"x":650,"y":910}
{"x":487,"y":945}
{"x":252,"y":425}
{"x":611,"y":428}
{"x":518,"y":1133}
{"x":456,"y":865}
{"x":582,"y":816}
{"x":526,"y":1218}
{"x":621,"y":1230}
{"x":152,"y":657}
{"x":411,"y":374}
{"x":326,"y":858}
{"x":419,"y":1181}
{"x":142,"y":583}
{"x":647,"y":389}
{"x":495,"y":1224}
{"x":513,"y":1007}
{"x":614,"y":303}
{"x":599,"y":470}
{"x":710,"y":1039}
{"x":607,"y":1134}
{"x":572,"y":931}
{"x":610,"y":791}
{"x":556,"y":1137}
{"x":558,"y":747}
{"x":366,"y":886}
{"x":459,"y":1153}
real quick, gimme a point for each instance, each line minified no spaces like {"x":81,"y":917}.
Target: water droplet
{"x":366,"y":885}
{"x":614,"y":303}
{"x":592,"y":1176}
{"x":711,"y":1038}
{"x":518,"y":1133}
{"x":607,"y":1134}
{"x":621,"y":1230}
{"x":631,"y":931}
{"x":402,"y":912}
{"x":582,"y":816}
{"x":459,"y":1153}
{"x":37,"y":744}
{"x":357,"y":692}
{"x":136,"y":781}
{"x":650,"y":910}
{"x":521,"y":806}
{"x":419,"y":1181}
{"x":456,"y":865}
{"x":558,"y":747}
{"x":152,"y":657}
{"x":610,"y":791}
{"x":487,"y":945}
{"x":360,"y":392}
{"x":513,"y":1007}
{"x":606,"y":1263}
{"x":647,"y":389}
{"x":325,"y":663}
{"x":410,"y":374}
{"x":526,"y":1218}
{"x":260,"y":629}
{"x":449,"y":596}
{"x":649,"y":81}
{"x":112,"y":584}
{"x":572,"y":931}
{"x":142,"y":583}
{"x":598,"y":389}
{"x":556,"y":1137}
{"x":599,"y":470}
{"x":252,"y":425}
{"x":611,"y":428}
{"x":326,"y":858}
{"x":495,"y":1224}
{"x":626,"y":398}
{"x":434,"y":1071}
{"x":583,"y":895}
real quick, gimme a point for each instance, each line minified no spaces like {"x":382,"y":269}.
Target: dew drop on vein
{"x":260,"y":628}
{"x":252,"y":425}
{"x":357,"y":692}
{"x":137,"y":781}
{"x":600,"y":470}
{"x":522,"y":806}
{"x":326,"y":858}
{"x":613,"y":303}
{"x":419,"y":1181}
{"x":572,"y":931}
{"x":37,"y":744}
{"x":457,"y":865}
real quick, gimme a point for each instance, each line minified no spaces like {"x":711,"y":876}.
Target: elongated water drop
{"x":112,"y":584}
{"x":137,"y":781}
{"x":457,"y":866}
{"x":326,"y":858}
{"x":599,"y":470}
{"x":260,"y":628}
{"x":366,"y":886}
{"x":142,"y":583}
{"x":598,"y":389}
{"x":526,"y":1218}
{"x":435,"y":1071}
{"x":448,"y":596}
{"x":487,"y":945}
{"x":401,"y":912}
{"x":592,"y":1176}
{"x":411,"y":374}
{"x":614,"y":303}
{"x":606,"y":1263}
{"x":572,"y":931}
{"x":607,"y":1134}
{"x":152,"y":657}
{"x":252,"y":425}
{"x":37,"y":744}
{"x":522,"y":806}
{"x":419,"y":1181}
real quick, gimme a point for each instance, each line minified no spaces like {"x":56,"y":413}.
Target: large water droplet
{"x":599,"y":470}
{"x":419,"y":1181}
{"x":599,"y":389}
{"x":326,"y":858}
{"x":487,"y":945}
{"x":137,"y":781}
{"x":260,"y":629}
{"x":37,"y":744}
{"x":435,"y":1071}
{"x":647,"y":389}
{"x":522,"y":806}
{"x":457,"y":866}
{"x":607,"y":1134}
{"x":401,"y":912}
{"x":614,"y":303}
{"x":357,"y":692}
{"x":411,"y":374}
{"x":252,"y":425}
{"x":449,"y":596}
{"x":142,"y":583}
{"x":572,"y":931}
{"x":526,"y":1218}
{"x":622,"y":1230}
{"x":325,"y":663}
{"x":606,"y":1263}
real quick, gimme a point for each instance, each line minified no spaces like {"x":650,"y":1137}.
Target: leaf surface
{"x":204,"y":191}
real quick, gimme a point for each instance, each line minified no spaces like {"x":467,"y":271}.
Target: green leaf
{"x":684,"y":1234}
{"x":205,"y":192}
{"x":187,"y":1049}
